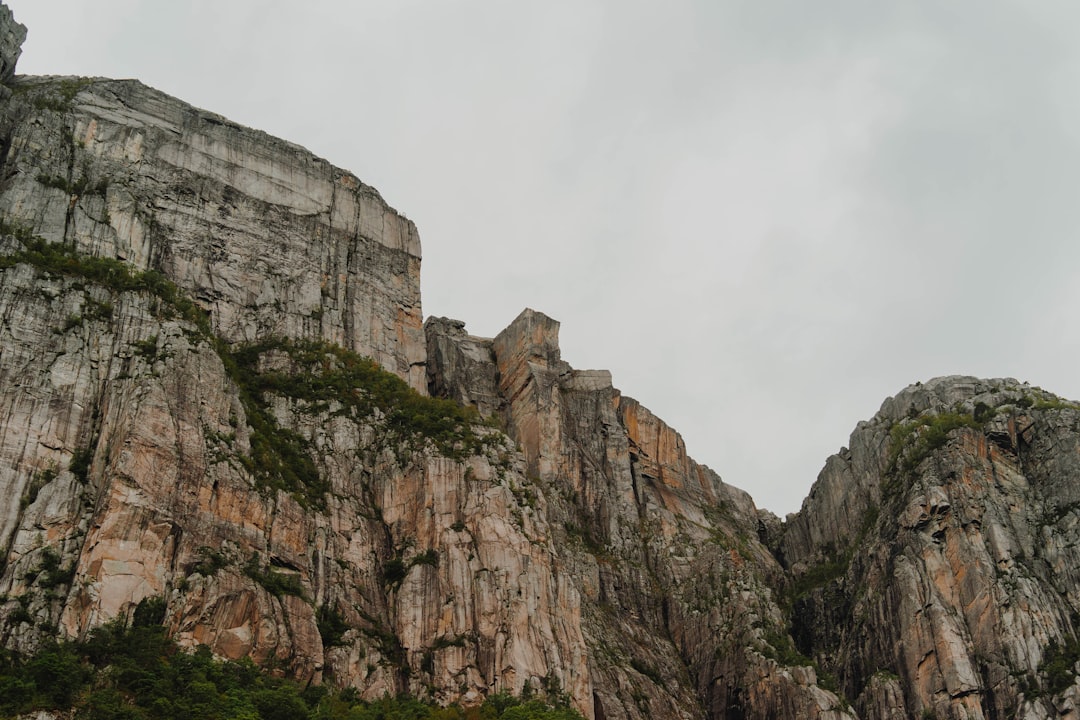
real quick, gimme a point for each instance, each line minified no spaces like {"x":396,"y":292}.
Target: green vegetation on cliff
{"x":912,"y":441}
{"x":330,"y":378}
{"x":319,"y":376}
{"x":137,"y":673}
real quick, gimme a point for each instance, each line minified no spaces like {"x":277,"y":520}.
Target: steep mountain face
{"x":269,"y":239}
{"x":936,"y":559}
{"x":679,"y":614}
{"x":186,"y":415}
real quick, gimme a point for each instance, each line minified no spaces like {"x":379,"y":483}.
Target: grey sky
{"x":763,"y":218}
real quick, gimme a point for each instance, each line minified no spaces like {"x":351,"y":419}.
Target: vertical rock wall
{"x":932,"y":571}
{"x":678,"y":613}
{"x":128,"y":464}
{"x":12,"y":35}
{"x":270,"y":239}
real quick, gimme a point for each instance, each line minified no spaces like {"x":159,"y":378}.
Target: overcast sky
{"x":762,"y":217}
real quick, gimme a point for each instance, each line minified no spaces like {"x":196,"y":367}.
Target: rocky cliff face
{"x":679,"y":615}
{"x":186,"y":415}
{"x":269,"y":239}
{"x":12,"y":35}
{"x":936,"y":559}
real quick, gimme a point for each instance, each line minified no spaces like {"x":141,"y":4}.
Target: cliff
{"x":935,"y":560}
{"x":189,"y":413}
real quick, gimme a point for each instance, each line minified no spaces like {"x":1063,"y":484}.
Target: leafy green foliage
{"x":912,"y":441}
{"x":147,"y":348}
{"x":983,"y":413}
{"x":37,"y":482}
{"x":80,"y":463}
{"x":150,"y":612}
{"x":82,"y":186}
{"x":780,"y":648}
{"x":1058,"y":666}
{"x":332,"y":626}
{"x":19,"y":231}
{"x":279,"y":457}
{"x":322,"y":375}
{"x":1054,"y":403}
{"x":647,"y":670}
{"x":56,"y":95}
{"x":116,"y":275}
{"x":325,"y":375}
{"x":394,"y":571}
{"x":819,"y":575}
{"x":396,"y":568}
{"x":50,"y":574}
{"x":210,"y":561}
{"x":276,"y":583}
{"x":428,"y":557}
{"x":138,"y":673}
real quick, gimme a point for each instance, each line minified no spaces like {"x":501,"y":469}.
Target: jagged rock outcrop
{"x":185,"y":415}
{"x":679,"y":616}
{"x":461,"y":367}
{"x":956,"y":594}
{"x":12,"y":35}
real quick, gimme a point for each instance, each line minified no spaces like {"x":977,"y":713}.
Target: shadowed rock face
{"x":12,"y":35}
{"x":570,"y":545}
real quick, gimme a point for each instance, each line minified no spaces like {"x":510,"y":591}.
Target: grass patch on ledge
{"x":136,"y":672}
{"x":325,"y":375}
{"x":116,"y":275}
{"x":912,"y":441}
{"x":320,"y":374}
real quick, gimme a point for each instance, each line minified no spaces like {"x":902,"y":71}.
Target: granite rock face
{"x":268,"y":238}
{"x":678,"y":613}
{"x":179,"y":419}
{"x":12,"y":36}
{"x":936,"y":558}
{"x":461,"y":366}
{"x":126,"y":454}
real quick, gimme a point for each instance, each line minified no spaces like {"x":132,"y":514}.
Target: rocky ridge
{"x":186,"y":416}
{"x":955,"y":594}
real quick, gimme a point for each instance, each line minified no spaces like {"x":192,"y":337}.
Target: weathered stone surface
{"x":664,"y":544}
{"x":461,"y":367}
{"x":933,"y":571}
{"x":962,"y":572}
{"x":12,"y":35}
{"x":167,"y":508}
{"x":269,"y":238}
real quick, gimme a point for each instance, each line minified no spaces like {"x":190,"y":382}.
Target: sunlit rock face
{"x":566,"y":543}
